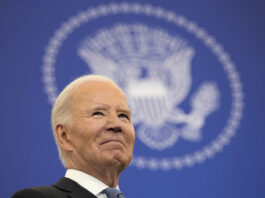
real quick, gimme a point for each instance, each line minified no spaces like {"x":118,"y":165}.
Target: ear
{"x":62,"y":135}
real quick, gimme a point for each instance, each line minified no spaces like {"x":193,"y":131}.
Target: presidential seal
{"x":174,"y":91}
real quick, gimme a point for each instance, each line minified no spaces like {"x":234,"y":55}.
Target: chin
{"x":119,"y":160}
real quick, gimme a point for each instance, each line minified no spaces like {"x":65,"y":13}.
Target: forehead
{"x":98,"y":93}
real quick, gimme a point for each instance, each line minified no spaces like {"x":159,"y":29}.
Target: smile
{"x":112,"y":141}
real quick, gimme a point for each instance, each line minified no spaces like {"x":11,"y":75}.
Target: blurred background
{"x":193,"y":72}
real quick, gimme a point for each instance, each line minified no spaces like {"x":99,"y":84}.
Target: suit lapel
{"x":73,"y":189}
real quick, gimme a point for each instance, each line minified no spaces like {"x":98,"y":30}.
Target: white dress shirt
{"x":88,"y":182}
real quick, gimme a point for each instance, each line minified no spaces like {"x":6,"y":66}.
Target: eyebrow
{"x":106,"y":107}
{"x":126,"y":111}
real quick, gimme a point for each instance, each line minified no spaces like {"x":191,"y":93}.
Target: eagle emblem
{"x":154,"y":70}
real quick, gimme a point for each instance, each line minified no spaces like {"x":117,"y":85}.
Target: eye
{"x":97,"y":114}
{"x":123,"y":116}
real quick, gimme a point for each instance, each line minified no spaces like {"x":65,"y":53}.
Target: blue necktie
{"x":113,"y":193}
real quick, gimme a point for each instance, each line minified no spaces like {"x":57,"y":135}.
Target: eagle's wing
{"x":178,"y":67}
{"x":98,"y":63}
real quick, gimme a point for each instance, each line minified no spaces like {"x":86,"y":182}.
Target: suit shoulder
{"x":38,"y":192}
{"x":28,"y":193}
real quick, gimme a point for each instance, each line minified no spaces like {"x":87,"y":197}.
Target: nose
{"x":114,"y":124}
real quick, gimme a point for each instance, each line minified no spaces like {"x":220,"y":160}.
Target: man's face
{"x":100,"y":130}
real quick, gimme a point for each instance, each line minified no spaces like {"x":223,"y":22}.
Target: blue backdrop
{"x":193,"y":72}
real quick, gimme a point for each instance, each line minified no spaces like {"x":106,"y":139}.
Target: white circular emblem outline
{"x":209,"y":41}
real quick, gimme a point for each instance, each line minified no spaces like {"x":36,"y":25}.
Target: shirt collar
{"x":88,"y":182}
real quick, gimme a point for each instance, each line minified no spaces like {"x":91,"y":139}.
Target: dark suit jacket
{"x":64,"y":188}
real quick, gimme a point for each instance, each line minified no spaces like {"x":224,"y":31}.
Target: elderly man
{"x":92,"y":127}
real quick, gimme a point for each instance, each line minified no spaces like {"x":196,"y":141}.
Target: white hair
{"x":61,"y":111}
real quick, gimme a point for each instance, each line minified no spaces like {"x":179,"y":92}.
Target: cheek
{"x":131,"y":135}
{"x":83,"y":132}
{"x":96,"y":125}
{"x":79,"y":136}
{"x":91,"y":131}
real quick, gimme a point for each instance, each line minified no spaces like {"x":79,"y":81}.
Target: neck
{"x":109,"y":175}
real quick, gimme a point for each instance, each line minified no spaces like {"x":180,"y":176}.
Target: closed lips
{"x":111,"y":140}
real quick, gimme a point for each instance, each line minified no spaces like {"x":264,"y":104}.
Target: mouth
{"x":111,"y":141}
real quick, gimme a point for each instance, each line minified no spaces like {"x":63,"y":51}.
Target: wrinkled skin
{"x":100,"y":137}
